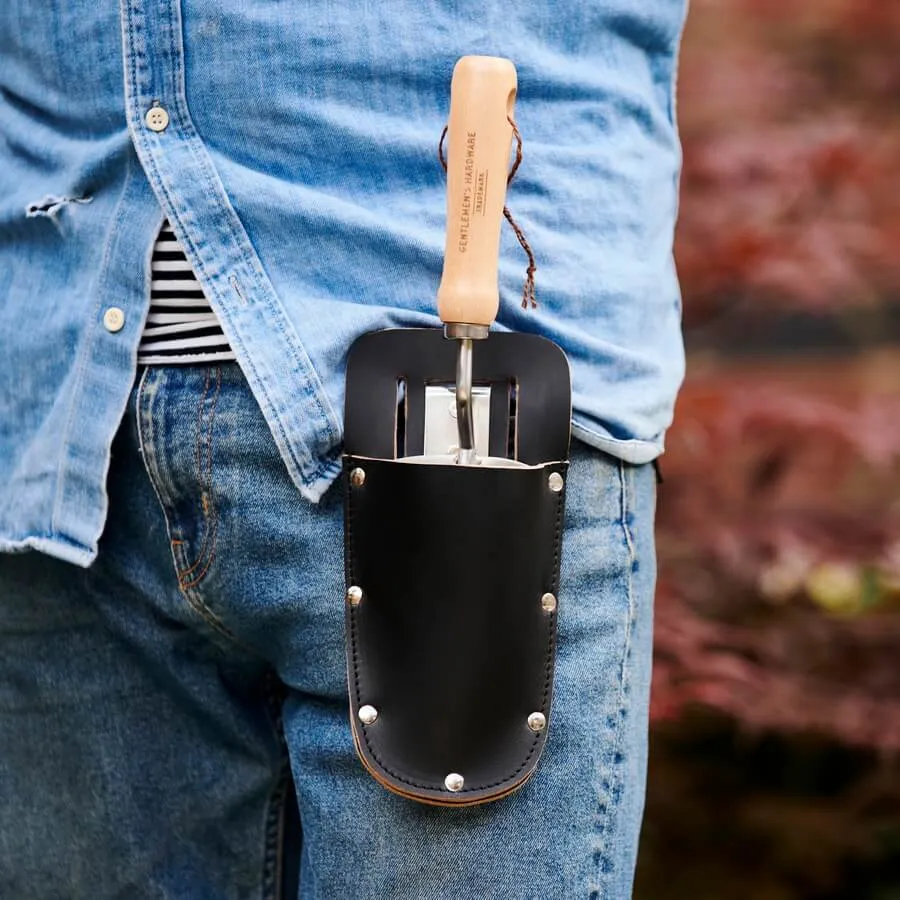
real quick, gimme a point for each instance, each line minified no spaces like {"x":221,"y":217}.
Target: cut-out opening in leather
{"x":401,"y":417}
{"x":512,"y":448}
{"x":528,"y":377}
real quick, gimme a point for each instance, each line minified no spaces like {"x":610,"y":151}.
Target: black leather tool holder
{"x":452,"y":571}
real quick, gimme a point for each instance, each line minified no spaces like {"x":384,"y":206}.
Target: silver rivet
{"x":556,"y":482}
{"x":454,"y":782}
{"x":358,"y":477}
{"x":537,"y":721}
{"x":354,"y":595}
{"x":114,"y":319}
{"x":367,"y":714}
{"x":548,"y":602}
{"x":157,"y":118}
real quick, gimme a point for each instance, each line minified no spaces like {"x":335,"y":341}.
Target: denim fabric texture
{"x":154,"y":706}
{"x":299,"y":170}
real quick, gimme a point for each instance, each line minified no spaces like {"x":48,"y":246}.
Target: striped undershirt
{"x":181,"y":326}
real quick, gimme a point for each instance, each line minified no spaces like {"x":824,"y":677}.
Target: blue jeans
{"x":161,"y":710}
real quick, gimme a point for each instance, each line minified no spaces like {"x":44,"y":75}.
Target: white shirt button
{"x":114,"y":319}
{"x":157,"y":118}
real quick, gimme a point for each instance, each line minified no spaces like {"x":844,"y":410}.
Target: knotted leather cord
{"x":528,"y":296}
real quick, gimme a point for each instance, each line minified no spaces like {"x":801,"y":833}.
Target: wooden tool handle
{"x":482,"y":97}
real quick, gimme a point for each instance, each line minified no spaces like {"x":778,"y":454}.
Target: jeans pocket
{"x":194,"y":541}
{"x":176,"y":416}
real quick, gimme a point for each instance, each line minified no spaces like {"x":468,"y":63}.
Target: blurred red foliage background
{"x":791,"y":133}
{"x":776,"y":703}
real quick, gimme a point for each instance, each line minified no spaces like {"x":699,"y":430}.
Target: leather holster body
{"x":453,"y":639}
{"x":452,"y":570}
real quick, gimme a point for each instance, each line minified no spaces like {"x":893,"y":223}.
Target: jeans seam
{"x":147,"y":446}
{"x":273,"y":847}
{"x":208,"y":505}
{"x":204,"y":476}
{"x":617,"y":759}
{"x":626,"y":483}
{"x":203,"y":456}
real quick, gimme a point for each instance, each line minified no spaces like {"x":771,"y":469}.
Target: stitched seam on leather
{"x":548,"y":679}
{"x":557,"y":545}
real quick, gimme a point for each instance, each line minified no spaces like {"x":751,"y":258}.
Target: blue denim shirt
{"x":299,"y":170}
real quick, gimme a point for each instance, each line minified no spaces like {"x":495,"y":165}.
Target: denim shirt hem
{"x":635,"y":452}
{"x":53,"y":545}
{"x":69,"y":550}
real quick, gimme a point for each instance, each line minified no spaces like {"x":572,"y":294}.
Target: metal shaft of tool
{"x":464,"y":416}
